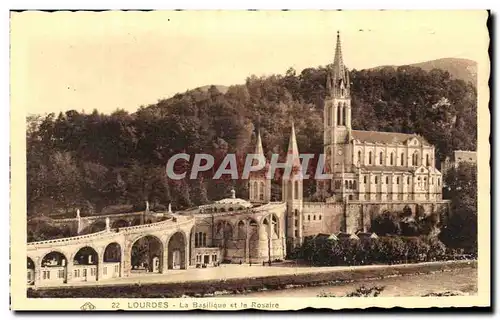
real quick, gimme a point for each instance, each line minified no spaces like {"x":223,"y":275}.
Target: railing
{"x":118,"y":215}
{"x":125,"y":230}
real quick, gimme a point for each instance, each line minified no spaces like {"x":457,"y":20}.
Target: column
{"x":184,"y":262}
{"x":247,"y":245}
{"x":125,"y":263}
{"x":164,"y":262}
{"x":38,"y":271}
{"x":100,"y":266}
{"x":69,"y":271}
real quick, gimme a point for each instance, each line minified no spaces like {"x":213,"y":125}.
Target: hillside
{"x":462,"y":69}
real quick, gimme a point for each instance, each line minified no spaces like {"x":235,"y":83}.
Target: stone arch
{"x":241,"y":231}
{"x":223,"y":230}
{"x":120,"y":223}
{"x":54,"y":267}
{"x":31,"y":271}
{"x":176,"y":246}
{"x":85,"y":264}
{"x":230,"y":209}
{"x":112,"y":260}
{"x":146,"y":254}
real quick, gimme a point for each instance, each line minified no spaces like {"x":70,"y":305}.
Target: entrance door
{"x":206,"y":259}
{"x":176,"y":257}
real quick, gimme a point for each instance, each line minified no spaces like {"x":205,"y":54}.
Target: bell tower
{"x":337,"y":114}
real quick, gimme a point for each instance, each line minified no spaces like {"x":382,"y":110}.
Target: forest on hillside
{"x":93,"y":161}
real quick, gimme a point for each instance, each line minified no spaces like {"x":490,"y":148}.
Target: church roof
{"x":386,"y":137}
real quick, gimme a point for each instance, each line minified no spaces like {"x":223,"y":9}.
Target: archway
{"x":147,"y":255}
{"x":252,"y":233}
{"x":85,"y":264}
{"x":112,"y":261}
{"x":177,"y":251}
{"x":54,"y":268}
{"x":120,"y":224}
{"x":31,"y":271}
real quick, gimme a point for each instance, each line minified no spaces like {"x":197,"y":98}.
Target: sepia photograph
{"x":230,"y":160}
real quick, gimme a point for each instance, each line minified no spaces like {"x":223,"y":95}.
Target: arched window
{"x":296,"y":191}
{"x":204,"y":239}
{"x":261,"y":194}
{"x":359,"y":157}
{"x":408,"y":180}
{"x":402,"y":159}
{"x":346,"y":185}
{"x":338,"y":115}
{"x":370,"y":157}
{"x":387,"y":180}
{"x":308,"y":217}
{"x":350,"y":184}
{"x":314,"y":217}
{"x":354,"y":185}
{"x":415,"y":158}
{"x":344,"y":115}
{"x":329,"y":116}
{"x":392,"y":158}
{"x":255,"y":189}
{"x":364,"y":179}
{"x":427,"y":160}
{"x":397,"y":180}
{"x":296,"y":212}
{"x":381,"y":158}
{"x":439,"y":182}
{"x":376,"y":180}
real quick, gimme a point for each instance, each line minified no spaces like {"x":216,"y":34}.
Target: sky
{"x":122,"y":60}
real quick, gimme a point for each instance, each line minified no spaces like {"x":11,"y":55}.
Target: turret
{"x":292,"y":191}
{"x":259,"y":186}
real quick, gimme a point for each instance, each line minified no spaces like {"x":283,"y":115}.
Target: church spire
{"x":258,"y":147}
{"x":338,"y":83}
{"x":293,"y":148}
{"x":338,"y":62}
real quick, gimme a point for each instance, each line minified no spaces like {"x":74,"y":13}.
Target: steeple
{"x":293,"y":148}
{"x":258,"y":147}
{"x":338,"y":62}
{"x":338,"y":83}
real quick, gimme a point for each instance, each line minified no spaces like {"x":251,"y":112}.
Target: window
{"x":314,"y":217}
{"x":296,"y":233}
{"x":392,"y":158}
{"x":261,"y":193}
{"x":370,"y":157}
{"x":350,"y":184}
{"x":296,"y":222}
{"x":308,"y":217}
{"x":427,"y":160}
{"x":296,"y":191}
{"x":255,"y":189}
{"x":105,"y":271}
{"x":376,"y":180}
{"x":364,"y":179}
{"x":381,"y":158}
{"x":387,"y":180}
{"x":397,"y":180}
{"x":77,"y":273}
{"x":296,"y":212}
{"x":439,"y":182}
{"x":204,"y":239}
{"x":92,"y":272}
{"x":329,"y":116}
{"x":319,"y":217}
{"x":354,"y":184}
{"x":408,"y":180}
{"x":60,"y":274}
{"x":338,"y":115}
{"x":402,"y":159}
{"x":117,"y":268}
{"x":359,"y":157}
{"x":337,"y":184}
{"x":344,"y":112}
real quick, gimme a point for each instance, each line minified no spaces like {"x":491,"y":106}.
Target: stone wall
{"x":355,"y":216}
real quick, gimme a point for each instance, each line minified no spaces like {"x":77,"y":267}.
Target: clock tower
{"x":337,"y":116}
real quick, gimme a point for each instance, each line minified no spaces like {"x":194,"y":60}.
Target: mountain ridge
{"x":459,"y":68}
